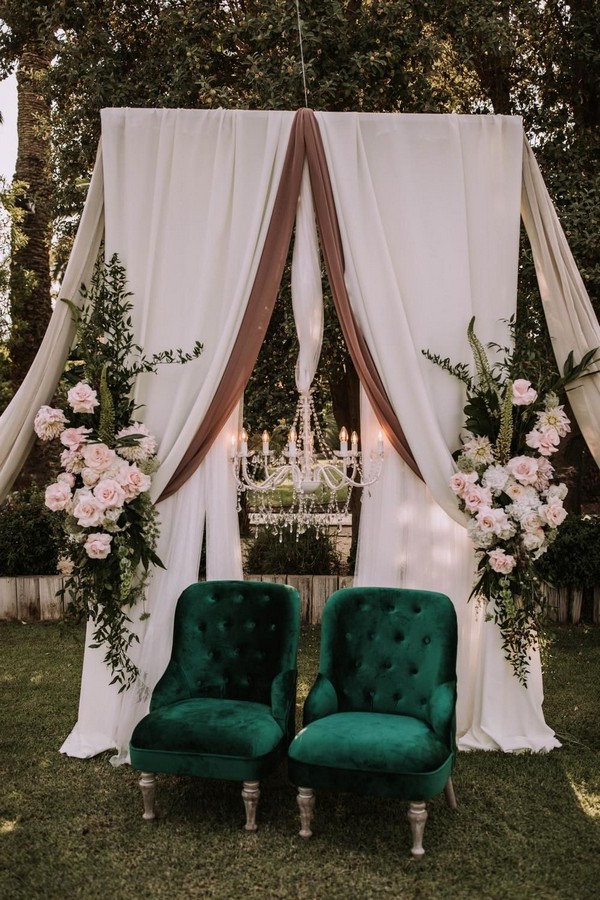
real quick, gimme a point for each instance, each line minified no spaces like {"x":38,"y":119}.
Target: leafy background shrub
{"x":31,"y":535}
{"x":574,"y":557}
{"x":309,"y":553}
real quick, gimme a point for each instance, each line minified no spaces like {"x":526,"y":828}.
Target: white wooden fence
{"x":34,"y":599}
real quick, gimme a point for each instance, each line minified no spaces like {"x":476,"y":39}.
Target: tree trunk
{"x":30,"y":302}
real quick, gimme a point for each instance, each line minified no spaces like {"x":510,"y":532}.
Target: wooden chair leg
{"x":450,"y":795}
{"x":417,"y":816}
{"x":250,"y":796}
{"x":306,"y":805}
{"x":147,"y":784}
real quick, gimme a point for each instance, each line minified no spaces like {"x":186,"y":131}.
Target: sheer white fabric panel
{"x":188,"y":201}
{"x":16,"y":423}
{"x":571,"y":319}
{"x":307,"y":289}
{"x":189,"y":196}
{"x":429,"y":219}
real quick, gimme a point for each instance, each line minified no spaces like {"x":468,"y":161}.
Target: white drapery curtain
{"x":429,"y":218}
{"x":571,"y":320}
{"x":16,"y":422}
{"x":188,"y":200}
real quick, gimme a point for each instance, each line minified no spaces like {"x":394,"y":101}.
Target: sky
{"x":8,"y":130}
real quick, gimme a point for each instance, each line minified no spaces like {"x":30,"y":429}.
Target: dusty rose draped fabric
{"x":305,"y":143}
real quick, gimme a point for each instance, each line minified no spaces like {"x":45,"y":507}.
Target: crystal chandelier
{"x":315,"y":473}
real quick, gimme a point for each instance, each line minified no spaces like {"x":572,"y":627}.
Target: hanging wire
{"x":302,"y":53}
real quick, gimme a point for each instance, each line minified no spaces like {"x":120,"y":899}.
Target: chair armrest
{"x":171,"y":687}
{"x":442,"y":705}
{"x":322,"y":700}
{"x":283,"y":700}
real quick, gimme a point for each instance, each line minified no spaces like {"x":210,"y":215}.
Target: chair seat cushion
{"x":376,"y":753}
{"x":208,"y":737}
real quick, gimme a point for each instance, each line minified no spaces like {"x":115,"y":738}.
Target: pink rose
{"x":68,"y":478}
{"x":554,"y":513}
{"x":545,"y":442}
{"x":49,"y":423}
{"x":523,"y":468}
{"x":475,"y":497}
{"x":87,"y":510}
{"x":133,"y":481}
{"x":58,"y":496}
{"x":82,"y":398}
{"x":494,"y":521}
{"x":501,"y":562}
{"x":74,"y":438}
{"x":109,"y":494}
{"x":523,"y":393}
{"x":461,"y":480}
{"x":97,"y":545}
{"x":98,"y":457}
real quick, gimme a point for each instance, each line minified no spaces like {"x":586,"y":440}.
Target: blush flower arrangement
{"x":506,"y":485}
{"x":107,"y":462}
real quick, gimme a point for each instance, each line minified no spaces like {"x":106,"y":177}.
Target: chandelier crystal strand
{"x":315,"y":472}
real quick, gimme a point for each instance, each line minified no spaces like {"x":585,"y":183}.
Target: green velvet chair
{"x":380,"y":718}
{"x":225,"y":705}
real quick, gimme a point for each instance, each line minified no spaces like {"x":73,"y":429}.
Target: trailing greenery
{"x":574,"y":557}
{"x":527,"y":826}
{"x":310,"y":553}
{"x":31,"y":537}
{"x":103,"y":493}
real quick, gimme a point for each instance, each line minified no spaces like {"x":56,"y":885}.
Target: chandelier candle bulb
{"x":343,"y":441}
{"x":379,"y":442}
{"x":244,"y":442}
{"x":292,"y":438}
{"x":354,"y":443}
{"x":265,"y":443}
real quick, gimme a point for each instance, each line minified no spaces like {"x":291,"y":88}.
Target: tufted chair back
{"x":230,"y":641}
{"x":387,"y":650}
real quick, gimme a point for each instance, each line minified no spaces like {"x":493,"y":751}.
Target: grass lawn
{"x":528,"y":826}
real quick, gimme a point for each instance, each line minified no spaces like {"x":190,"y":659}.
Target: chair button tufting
{"x":427,"y":640}
{"x":398,"y":636}
{"x":250,"y":624}
{"x":397,"y":697}
{"x":371,"y":635}
{"x":386,"y":664}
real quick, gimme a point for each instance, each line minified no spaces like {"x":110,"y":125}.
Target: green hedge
{"x":310,"y":553}
{"x":31,"y":535}
{"x":574,"y":557}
